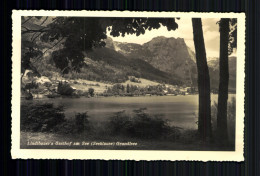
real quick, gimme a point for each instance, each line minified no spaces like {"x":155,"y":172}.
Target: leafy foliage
{"x":67,"y":60}
{"x":232,"y":35}
{"x":77,"y":125}
{"x":41,"y":117}
{"x":133,"y":79}
{"x":91,"y":92}
{"x":31,"y":85}
{"x":81,"y":34}
{"x":141,"y":125}
{"x":138,"y":26}
{"x":133,"y":90}
{"x":29,"y":50}
{"x":48,"y":118}
{"x":65,"y":89}
{"x":81,"y":121}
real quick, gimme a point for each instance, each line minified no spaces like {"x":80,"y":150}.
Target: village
{"x":43,"y":87}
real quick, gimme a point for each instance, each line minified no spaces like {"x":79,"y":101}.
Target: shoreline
{"x":40,"y":96}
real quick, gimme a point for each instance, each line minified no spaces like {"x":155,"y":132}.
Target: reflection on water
{"x":179,"y":110}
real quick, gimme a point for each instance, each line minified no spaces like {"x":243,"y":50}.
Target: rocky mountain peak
{"x":164,"y":41}
{"x":169,"y":55}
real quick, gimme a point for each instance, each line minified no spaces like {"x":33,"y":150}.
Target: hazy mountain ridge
{"x":173,"y":56}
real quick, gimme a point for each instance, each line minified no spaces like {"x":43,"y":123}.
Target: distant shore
{"x":35,"y":96}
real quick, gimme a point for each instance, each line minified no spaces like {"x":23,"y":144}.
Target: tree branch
{"x":33,"y":36}
{"x":49,"y":49}
{"x":44,"y":21}
{"x":27,"y":20}
{"x":33,"y":39}
{"x":25,"y":28}
{"x":33,"y":30}
{"x":54,"y":45}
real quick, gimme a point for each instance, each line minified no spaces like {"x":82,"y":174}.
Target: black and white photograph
{"x":172,"y":83}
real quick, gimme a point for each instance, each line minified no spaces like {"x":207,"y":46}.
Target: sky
{"x":210,"y":32}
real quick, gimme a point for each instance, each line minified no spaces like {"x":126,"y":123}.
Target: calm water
{"x":179,"y":110}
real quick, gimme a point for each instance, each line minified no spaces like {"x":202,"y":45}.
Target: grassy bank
{"x":46,"y":123}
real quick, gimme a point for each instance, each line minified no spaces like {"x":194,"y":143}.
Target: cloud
{"x":210,"y":24}
{"x":211,"y":36}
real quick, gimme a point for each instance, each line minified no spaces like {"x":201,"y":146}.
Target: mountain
{"x":166,"y":54}
{"x":173,"y":56}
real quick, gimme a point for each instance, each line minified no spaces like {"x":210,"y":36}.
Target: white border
{"x":16,"y":152}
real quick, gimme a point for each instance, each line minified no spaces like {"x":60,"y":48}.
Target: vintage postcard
{"x":128,"y":85}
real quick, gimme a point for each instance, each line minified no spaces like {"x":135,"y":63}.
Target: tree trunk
{"x":204,"y":122}
{"x":223,"y":80}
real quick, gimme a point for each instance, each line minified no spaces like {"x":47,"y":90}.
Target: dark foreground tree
{"x":227,"y":43}
{"x":204,"y":123}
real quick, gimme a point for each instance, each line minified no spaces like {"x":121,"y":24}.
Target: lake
{"x":181,"y":111}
